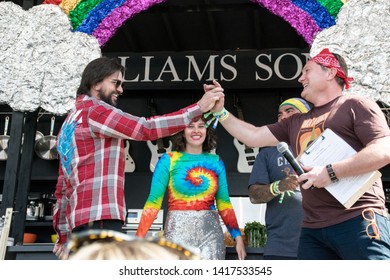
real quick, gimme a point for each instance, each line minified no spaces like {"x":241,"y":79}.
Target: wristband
{"x":222,"y":115}
{"x":274,"y":188}
{"x":331,"y":173}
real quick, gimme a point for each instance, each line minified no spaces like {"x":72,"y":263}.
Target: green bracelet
{"x":274,"y":188}
{"x":222,"y":115}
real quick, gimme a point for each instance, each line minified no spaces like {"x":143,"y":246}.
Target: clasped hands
{"x":213,"y":99}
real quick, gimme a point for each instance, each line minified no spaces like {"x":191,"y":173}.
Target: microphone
{"x":285,"y":151}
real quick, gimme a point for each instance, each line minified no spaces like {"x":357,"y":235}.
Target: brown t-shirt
{"x":356,"y":119}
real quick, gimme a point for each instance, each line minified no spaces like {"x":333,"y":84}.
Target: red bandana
{"x":327,"y":59}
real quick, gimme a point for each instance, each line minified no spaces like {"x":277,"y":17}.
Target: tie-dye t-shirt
{"x":194,"y":182}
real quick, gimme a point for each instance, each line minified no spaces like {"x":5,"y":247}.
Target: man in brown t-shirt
{"x":330,"y":231}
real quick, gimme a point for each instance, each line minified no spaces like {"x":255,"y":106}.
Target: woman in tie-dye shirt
{"x":197,"y":192}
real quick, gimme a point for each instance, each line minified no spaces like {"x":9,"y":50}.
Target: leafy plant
{"x":256,"y":234}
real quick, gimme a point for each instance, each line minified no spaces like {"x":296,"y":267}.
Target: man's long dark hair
{"x":96,"y":71}
{"x":179,"y":141}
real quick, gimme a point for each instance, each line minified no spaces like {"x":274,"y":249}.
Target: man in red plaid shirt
{"x":90,"y":186}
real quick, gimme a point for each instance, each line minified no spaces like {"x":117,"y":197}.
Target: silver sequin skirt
{"x":199,"y":229}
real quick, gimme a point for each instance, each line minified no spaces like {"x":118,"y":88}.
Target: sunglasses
{"x":372,"y":229}
{"x":117,"y":83}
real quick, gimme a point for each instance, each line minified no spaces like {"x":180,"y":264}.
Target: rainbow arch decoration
{"x":307,"y":17}
{"x":102,"y":18}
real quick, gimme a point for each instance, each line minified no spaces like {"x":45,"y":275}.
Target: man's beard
{"x":107,"y":99}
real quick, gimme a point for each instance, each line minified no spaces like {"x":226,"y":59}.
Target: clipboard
{"x":329,"y":148}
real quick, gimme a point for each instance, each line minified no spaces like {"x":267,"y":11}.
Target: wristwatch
{"x":331,"y":173}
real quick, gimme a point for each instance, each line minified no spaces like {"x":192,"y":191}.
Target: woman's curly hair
{"x":179,"y":141}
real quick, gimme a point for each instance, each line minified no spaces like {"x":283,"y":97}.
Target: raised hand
{"x":215,"y":87}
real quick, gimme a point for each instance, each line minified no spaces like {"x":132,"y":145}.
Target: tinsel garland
{"x":317,"y":11}
{"x":97,"y":14}
{"x":54,"y":2}
{"x":361,"y":37}
{"x":68,"y":5}
{"x":113,"y":21}
{"x":41,"y":58}
{"x":307,"y":20}
{"x":103,"y":17}
{"x":332,"y":6}
{"x":303,"y":23}
{"x":81,"y":11}
{"x":65,"y":5}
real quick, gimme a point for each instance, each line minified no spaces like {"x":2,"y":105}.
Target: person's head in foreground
{"x":112,"y":245}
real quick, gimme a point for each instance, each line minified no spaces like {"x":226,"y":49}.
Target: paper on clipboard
{"x":329,"y":148}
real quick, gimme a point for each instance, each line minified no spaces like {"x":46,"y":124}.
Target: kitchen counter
{"x":33,"y":251}
{"x":251,"y":252}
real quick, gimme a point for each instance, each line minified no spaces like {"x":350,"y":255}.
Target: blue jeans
{"x":346,"y":241}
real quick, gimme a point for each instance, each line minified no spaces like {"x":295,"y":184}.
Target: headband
{"x":327,"y":59}
{"x":297,"y":103}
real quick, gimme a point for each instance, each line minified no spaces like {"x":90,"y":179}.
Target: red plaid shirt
{"x":90,"y":185}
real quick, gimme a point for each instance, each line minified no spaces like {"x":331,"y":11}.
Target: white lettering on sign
{"x":243,"y":68}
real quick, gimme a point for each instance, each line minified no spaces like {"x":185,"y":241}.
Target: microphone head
{"x":282,"y":147}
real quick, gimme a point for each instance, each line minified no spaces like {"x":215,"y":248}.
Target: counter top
{"x":31,"y":247}
{"x":252,"y":253}
{"x":249,"y":250}
{"x":33,"y":251}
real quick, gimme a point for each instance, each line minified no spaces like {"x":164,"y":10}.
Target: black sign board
{"x":243,"y":69}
